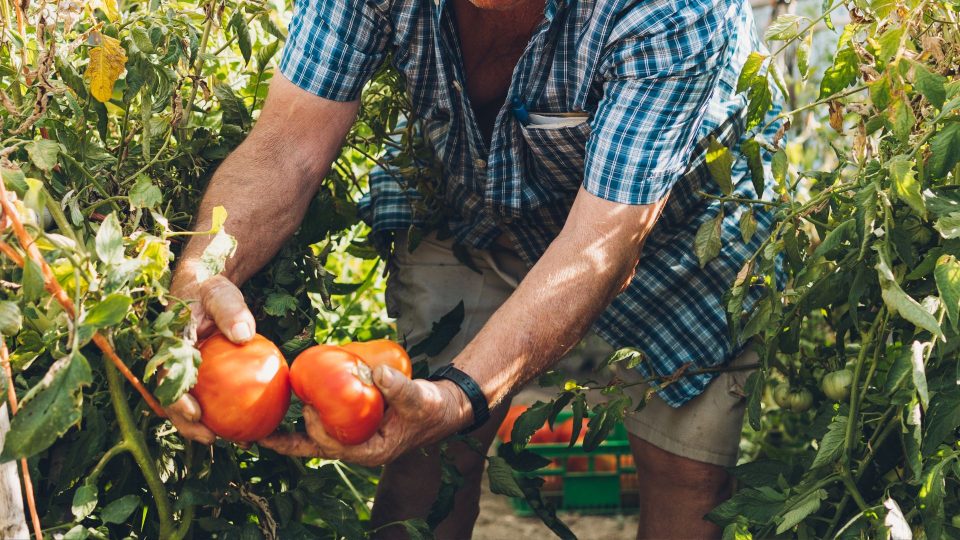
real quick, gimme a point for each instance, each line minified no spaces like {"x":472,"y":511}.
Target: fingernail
{"x":241,"y":332}
{"x":386,"y":376}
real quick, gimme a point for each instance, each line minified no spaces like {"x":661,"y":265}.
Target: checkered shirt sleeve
{"x":659,"y":80}
{"x":334,"y":47}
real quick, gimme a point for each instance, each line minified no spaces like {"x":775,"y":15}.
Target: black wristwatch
{"x":481,"y":410}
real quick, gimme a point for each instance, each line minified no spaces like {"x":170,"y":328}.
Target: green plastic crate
{"x":590,"y":491}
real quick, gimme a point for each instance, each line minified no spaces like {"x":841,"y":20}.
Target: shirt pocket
{"x":555,"y":155}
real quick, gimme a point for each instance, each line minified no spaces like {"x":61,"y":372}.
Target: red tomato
{"x":243,"y":390}
{"x":564,"y":431}
{"x":382,"y":352}
{"x":338,"y":384}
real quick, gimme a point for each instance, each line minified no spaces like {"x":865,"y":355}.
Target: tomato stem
{"x":133,"y":439}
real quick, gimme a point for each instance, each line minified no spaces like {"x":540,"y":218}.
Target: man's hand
{"x":215,"y":304}
{"x":418,"y":413}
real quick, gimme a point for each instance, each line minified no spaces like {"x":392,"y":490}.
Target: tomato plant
{"x":114,"y":117}
{"x":243,"y":390}
{"x":339,"y":385}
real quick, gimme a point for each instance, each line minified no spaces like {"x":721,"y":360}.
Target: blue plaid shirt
{"x":652,"y":80}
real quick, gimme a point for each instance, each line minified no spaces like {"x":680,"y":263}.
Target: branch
{"x":24,"y":470}
{"x":53,"y":287}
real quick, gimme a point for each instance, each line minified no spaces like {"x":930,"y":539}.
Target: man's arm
{"x":266,"y":185}
{"x":585,"y":267}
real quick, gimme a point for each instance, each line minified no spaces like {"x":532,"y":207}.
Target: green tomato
{"x":955,"y":521}
{"x":799,"y":400}
{"x":781,"y":393}
{"x":836,"y":385}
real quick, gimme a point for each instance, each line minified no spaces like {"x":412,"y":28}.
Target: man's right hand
{"x":216,"y":304}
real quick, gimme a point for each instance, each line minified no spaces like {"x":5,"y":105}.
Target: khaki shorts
{"x":428,"y":283}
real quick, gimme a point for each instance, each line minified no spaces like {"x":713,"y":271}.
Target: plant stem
{"x":198,"y":65}
{"x":853,"y":490}
{"x":853,"y":415}
{"x":113,"y":452}
{"x":133,"y":438}
{"x":738,"y":199}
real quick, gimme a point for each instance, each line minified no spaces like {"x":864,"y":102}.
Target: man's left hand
{"x":419,"y":413}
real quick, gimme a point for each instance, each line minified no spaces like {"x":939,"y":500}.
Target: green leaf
{"x":119,"y":510}
{"x":32,"y":280}
{"x":441,"y":333}
{"x":530,"y":421}
{"x":889,"y":43}
{"x":84,"y":501}
{"x":834,"y":238}
{"x":144,"y":194}
{"x":803,"y":55}
{"x":941,"y":419}
{"x":750,"y":71}
{"x":800,"y":508}
{"x":417,"y":529}
{"x":908,"y":308}
{"x":758,"y":505}
{"x":779,"y":166}
{"x":706,"y":245}
{"x":748,"y":226}
{"x":943,"y":150}
{"x":108,"y":312}
{"x":841,"y":74}
{"x":905,"y":184}
{"x":932,"y":492}
{"x":524,"y":460}
{"x":502,"y":481}
{"x":832,"y":444}
{"x":929,"y":84}
{"x":903,"y":120}
{"x":751,"y":150}
{"x":918,"y":371}
{"x":761,"y":101}
{"x":605,"y":418}
{"x":181,"y":361}
{"x":720,"y":163}
{"x":942,"y":202}
{"x":141,"y":39}
{"x":10,"y":318}
{"x":109,"y":241}
{"x":43,"y":153}
{"x":948,"y":226}
{"x":947,"y":275}
{"x":77,"y":532}
{"x":239,"y":27}
{"x":279,"y":304}
{"x":785,"y":27}
{"x":629,"y":356}
{"x":49,"y":409}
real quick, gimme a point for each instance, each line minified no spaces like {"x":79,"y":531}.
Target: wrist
{"x":459,"y":409}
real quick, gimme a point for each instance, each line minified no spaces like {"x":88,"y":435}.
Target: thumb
{"x":223,"y":302}
{"x":398,"y":391}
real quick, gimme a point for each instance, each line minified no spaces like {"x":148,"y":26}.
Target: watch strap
{"x":481,"y":410}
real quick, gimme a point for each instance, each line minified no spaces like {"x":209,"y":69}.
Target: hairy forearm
{"x":588,"y":264}
{"x":267,"y":183}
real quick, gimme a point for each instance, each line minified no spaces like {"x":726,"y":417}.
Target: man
{"x":572,"y":134}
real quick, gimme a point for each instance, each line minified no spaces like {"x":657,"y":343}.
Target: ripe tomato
{"x":382,"y":352}
{"x":564,"y":431}
{"x":836,"y":385}
{"x":338,"y":384}
{"x":243,"y":390}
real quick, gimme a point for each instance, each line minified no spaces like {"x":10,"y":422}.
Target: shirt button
{"x":480,"y":164}
{"x":457,"y":87}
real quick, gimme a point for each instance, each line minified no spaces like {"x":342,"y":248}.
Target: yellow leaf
{"x":105,"y":67}
{"x":109,"y":8}
{"x":219,"y":217}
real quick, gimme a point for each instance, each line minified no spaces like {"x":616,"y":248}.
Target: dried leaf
{"x":106,"y":65}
